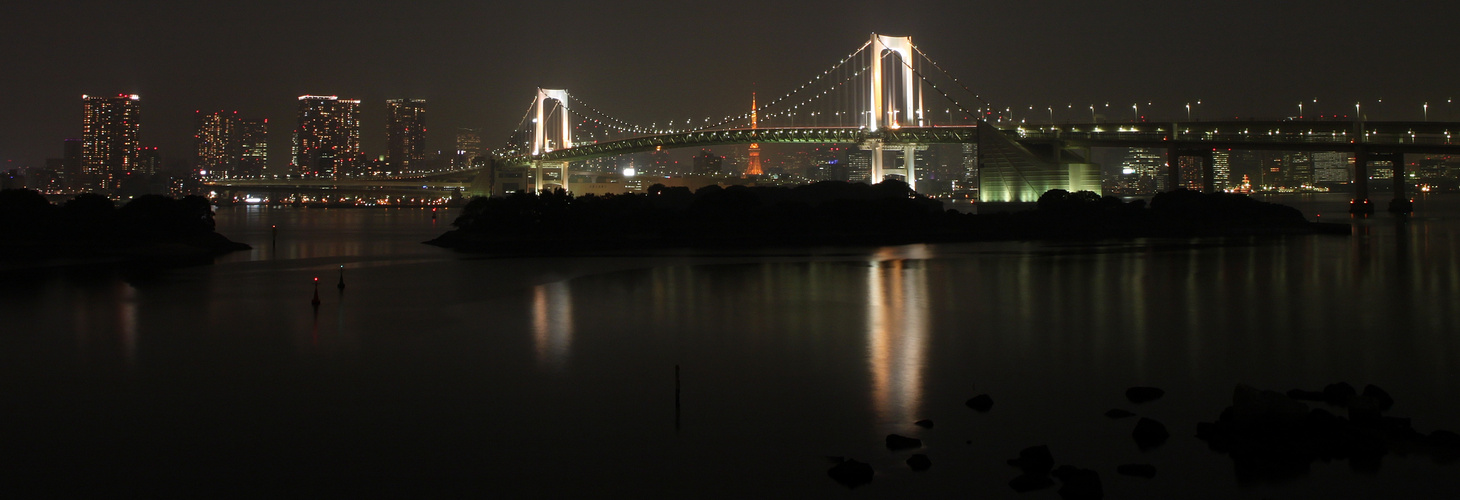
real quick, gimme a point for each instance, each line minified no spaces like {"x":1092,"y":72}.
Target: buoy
{"x":315,"y":302}
{"x":341,"y":286}
{"x":433,"y":213}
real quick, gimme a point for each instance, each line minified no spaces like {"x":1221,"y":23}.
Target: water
{"x":437,"y":372}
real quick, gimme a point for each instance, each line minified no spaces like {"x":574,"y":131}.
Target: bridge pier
{"x":1360,"y":203}
{"x":1401,"y":204}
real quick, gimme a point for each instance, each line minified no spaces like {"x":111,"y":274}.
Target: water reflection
{"x":897,"y":336}
{"x":552,"y":324}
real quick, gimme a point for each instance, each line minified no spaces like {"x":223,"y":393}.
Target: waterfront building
{"x":468,"y":147}
{"x":327,"y":138}
{"x":110,"y":131}
{"x":405,"y":132}
{"x":253,"y":145}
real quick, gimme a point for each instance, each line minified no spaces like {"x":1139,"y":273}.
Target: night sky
{"x":479,"y":62}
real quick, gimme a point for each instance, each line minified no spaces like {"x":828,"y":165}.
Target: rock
{"x":1379,"y":395}
{"x":1149,"y":433}
{"x":1302,"y":395}
{"x":897,"y":442}
{"x":1034,"y":460}
{"x":1079,"y":484}
{"x":1140,"y":395}
{"x":1119,"y":413}
{"x":1251,"y":406}
{"x":980,"y":403}
{"x":919,"y":462}
{"x":1363,"y":411}
{"x":1029,"y":482}
{"x":1138,"y":470}
{"x":1338,"y":394}
{"x":851,"y":473}
{"x":1445,"y":438}
{"x":924,"y":423}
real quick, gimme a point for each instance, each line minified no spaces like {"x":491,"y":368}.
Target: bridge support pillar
{"x":1173,"y":170}
{"x":1360,"y":203}
{"x":537,"y":174}
{"x":1208,"y":172}
{"x":910,"y":161}
{"x":1401,"y":204}
{"x":874,"y":145}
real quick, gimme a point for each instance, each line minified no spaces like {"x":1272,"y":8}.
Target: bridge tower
{"x":540,"y":143}
{"x":888,"y":109}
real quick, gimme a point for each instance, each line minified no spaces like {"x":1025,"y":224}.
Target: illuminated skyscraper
{"x":752,"y":166}
{"x":405,"y":132}
{"x":109,"y":135}
{"x":468,"y":146}
{"x":228,"y":146}
{"x":253,"y":147}
{"x":217,"y":144}
{"x":327,"y":139}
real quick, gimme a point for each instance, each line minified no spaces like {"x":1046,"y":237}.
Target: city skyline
{"x":1234,"y":58}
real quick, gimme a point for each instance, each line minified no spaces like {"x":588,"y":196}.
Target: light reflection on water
{"x":788,"y":356}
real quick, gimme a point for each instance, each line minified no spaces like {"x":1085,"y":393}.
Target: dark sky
{"x":478,"y":63}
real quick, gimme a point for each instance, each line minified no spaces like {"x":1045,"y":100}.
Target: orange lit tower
{"x":753,"y":168}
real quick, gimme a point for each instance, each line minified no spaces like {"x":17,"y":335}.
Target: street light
{"x":1051,"y":115}
{"x":1092,"y":113}
{"x":1136,"y":108}
{"x":1300,"y":110}
{"x":1188,"y":111}
{"x":1427,"y":111}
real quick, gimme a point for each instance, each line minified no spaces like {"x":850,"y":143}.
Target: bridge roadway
{"x":1368,"y":140}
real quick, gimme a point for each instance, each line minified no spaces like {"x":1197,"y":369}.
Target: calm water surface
{"x":438,"y":372}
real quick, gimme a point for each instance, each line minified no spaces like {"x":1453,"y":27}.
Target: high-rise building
{"x":1221,"y":169}
{"x":217,"y":144}
{"x":229,"y":146}
{"x":327,"y":139}
{"x":109,"y":133}
{"x":707,"y":163}
{"x":468,"y":147}
{"x":405,"y":132}
{"x":1331,"y":166}
{"x":253,"y":147}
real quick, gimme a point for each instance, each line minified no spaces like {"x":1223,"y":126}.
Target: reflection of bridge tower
{"x":752,"y":166}
{"x":542,"y":144}
{"x":887,"y":103}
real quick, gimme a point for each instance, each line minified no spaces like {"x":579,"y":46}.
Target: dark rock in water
{"x":1119,"y":413}
{"x":1029,"y":482}
{"x":919,"y":462}
{"x":1138,"y":470}
{"x":1302,"y":395}
{"x":851,"y":473}
{"x":897,"y":442}
{"x":1140,"y":395}
{"x":1445,"y":438}
{"x":1149,"y":433}
{"x":1339,"y":394}
{"x":1379,"y":395}
{"x":1079,"y":484}
{"x":981,"y":403}
{"x":925,"y":423}
{"x":1273,"y":438}
{"x":1034,"y":460}
{"x":1363,"y":411}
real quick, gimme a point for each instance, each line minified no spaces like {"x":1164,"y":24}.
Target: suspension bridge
{"x":884,"y":98}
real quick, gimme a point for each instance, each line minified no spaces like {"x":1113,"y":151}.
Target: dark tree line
{"x":839,"y":212}
{"x":26,"y":216}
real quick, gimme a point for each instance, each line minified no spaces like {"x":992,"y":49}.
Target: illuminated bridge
{"x":889,"y":98}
